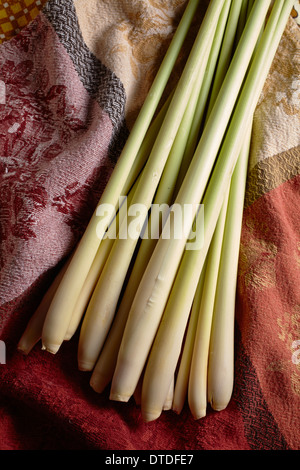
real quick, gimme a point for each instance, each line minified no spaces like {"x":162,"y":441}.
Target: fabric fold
{"x":100,"y":82}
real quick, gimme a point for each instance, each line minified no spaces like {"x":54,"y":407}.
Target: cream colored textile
{"x":130,"y":37}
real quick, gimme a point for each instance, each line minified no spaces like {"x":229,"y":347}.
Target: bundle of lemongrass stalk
{"x":152,"y":283}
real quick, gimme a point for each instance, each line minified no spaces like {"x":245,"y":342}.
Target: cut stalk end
{"x":219,"y":403}
{"x":177,"y":409}
{"x":149,"y":416}
{"x":199,"y":414}
{"x":23,"y":349}
{"x":119,"y":397}
{"x":218,"y":406}
{"x":85,"y":366}
{"x":51,"y":348}
{"x":168,"y":405}
{"x":98,"y":382}
{"x":68,"y":336}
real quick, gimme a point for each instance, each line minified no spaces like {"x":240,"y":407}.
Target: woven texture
{"x":73,"y":86}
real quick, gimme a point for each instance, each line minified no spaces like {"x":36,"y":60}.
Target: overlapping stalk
{"x":163,"y":199}
{"x":184,"y":364}
{"x":154,"y":289}
{"x":102,"y":307}
{"x":138,"y":328}
{"x":158,"y":312}
{"x":237,"y":17}
{"x":56,"y":324}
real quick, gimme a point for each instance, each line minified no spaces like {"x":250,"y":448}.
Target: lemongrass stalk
{"x":146,"y":146}
{"x":244,"y":112}
{"x":61,"y":308}
{"x":138,"y":392}
{"x":213,"y":371}
{"x":182,"y":378}
{"x":220,"y":379}
{"x":226,"y":51}
{"x":193,"y":137}
{"x":104,"y":368}
{"x":155,"y":286}
{"x":164,"y":194}
{"x":137,"y":395}
{"x":197,"y":387}
{"x":249,"y":7}
{"x":131,"y":349}
{"x":96,"y":269}
{"x":102,"y":307}
{"x":242,"y":20}
{"x":229,"y":31}
{"x":169,"y":398}
{"x":261,"y":65}
{"x":33,"y":331}
{"x":165,"y":351}
{"x":88,"y":286}
{"x":182,"y":382}
{"x":107,"y":241}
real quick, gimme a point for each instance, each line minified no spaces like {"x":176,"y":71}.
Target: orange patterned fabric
{"x":15,"y":15}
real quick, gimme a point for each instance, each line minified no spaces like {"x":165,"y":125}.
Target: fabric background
{"x":75,"y":75}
